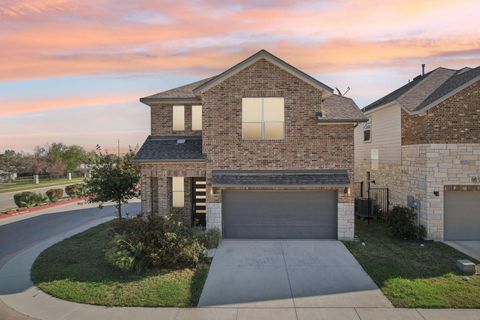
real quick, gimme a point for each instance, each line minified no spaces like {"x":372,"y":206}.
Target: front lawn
{"x":411,"y":275}
{"x":75,"y":270}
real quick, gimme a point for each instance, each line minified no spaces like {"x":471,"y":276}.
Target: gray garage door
{"x":462,"y":215}
{"x":280,"y":214}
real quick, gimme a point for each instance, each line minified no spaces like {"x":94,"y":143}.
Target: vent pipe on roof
{"x":423,"y":69}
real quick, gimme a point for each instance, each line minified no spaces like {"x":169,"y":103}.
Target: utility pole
{"x":118,"y":148}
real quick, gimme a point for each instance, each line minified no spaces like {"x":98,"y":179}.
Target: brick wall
{"x":455,"y":120}
{"x":307,"y":145}
{"x":161,"y":122}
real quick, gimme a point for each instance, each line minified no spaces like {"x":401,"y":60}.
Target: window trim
{"x":173,"y":117}
{"x":182,"y":192}
{"x":201,"y":117}
{"x":368,"y":123}
{"x":263,"y":122}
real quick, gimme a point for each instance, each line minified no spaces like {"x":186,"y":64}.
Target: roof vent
{"x":423,"y":69}
{"x":181,"y":141}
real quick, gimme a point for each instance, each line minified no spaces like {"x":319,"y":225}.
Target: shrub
{"x":212,"y":238}
{"x":54,"y":194}
{"x":29,"y":199}
{"x":23,"y":199}
{"x":39,"y":199}
{"x":75,"y":190}
{"x":402,"y":224}
{"x":154,"y":242}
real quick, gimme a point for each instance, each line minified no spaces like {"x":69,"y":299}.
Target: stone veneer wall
{"x":427,"y":168}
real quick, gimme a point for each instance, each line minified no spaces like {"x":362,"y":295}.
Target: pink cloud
{"x":61,"y":37}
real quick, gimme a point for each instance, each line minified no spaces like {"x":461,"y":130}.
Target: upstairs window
{"x":263,"y":118}
{"x":178,"y":118}
{"x":367,"y":130}
{"x":196,"y":118}
{"x":178,"y":192}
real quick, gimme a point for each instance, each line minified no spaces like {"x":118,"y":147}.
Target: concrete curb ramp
{"x":18,"y":292}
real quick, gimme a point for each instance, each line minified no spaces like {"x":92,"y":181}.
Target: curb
{"x":38,"y":208}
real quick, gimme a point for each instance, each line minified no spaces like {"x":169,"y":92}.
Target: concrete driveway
{"x":470,"y":248}
{"x":288,"y":273}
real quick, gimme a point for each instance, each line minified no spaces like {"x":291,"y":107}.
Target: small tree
{"x":113,"y":178}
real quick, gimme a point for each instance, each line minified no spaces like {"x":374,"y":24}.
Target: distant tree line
{"x":54,"y":159}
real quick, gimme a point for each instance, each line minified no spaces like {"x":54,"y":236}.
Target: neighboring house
{"x":422,"y":141}
{"x":261,"y":150}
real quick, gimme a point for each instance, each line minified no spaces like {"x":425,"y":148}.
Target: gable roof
{"x":262,"y":54}
{"x":180,"y":94}
{"x":336,"y":108}
{"x":458,"y":80}
{"x":189,"y":93}
{"x":424,"y":90}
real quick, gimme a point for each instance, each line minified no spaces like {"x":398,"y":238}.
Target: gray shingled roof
{"x":461,"y":77}
{"x":158,"y":148}
{"x":424,"y":90}
{"x":280,"y":177}
{"x":185,"y":91}
{"x":340,"y":108}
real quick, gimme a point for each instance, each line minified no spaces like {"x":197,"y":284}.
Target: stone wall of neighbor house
{"x":455,"y":120}
{"x":428,"y":168}
{"x":161,"y":118}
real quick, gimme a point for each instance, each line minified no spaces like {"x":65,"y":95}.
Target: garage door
{"x":280,"y":214}
{"x":462,"y":215}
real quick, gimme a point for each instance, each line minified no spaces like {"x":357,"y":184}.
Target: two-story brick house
{"x":422,"y":141}
{"x":261,"y":150}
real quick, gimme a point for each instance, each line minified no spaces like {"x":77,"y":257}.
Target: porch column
{"x":163,"y":196}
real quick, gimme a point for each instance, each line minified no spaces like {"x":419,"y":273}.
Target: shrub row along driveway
{"x":288,"y":273}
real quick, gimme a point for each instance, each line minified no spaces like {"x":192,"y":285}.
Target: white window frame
{"x":180,"y":192}
{"x":201,"y":117}
{"x":263,"y":122}
{"x":369,"y":125}
{"x":173,"y":118}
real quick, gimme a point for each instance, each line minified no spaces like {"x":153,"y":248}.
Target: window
{"x":367,"y":130}
{"x":263,"y":118}
{"x":178,"y":123}
{"x":196,"y":117}
{"x":178,"y":192}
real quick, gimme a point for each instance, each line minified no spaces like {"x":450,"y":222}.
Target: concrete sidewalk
{"x":18,"y":292}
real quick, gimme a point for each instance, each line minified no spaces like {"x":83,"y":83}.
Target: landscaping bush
{"x":75,"y":190}
{"x":155,"y":242}
{"x":54,"y":194}
{"x":29,"y":199}
{"x":23,"y":199}
{"x":212,"y":238}
{"x":402,"y":224}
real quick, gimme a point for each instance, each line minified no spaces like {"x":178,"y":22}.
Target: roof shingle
{"x":280,"y":177}
{"x":158,"y":148}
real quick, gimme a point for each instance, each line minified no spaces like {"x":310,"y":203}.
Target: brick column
{"x":163,"y":198}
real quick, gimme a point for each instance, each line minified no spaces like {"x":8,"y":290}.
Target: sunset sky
{"x":73,"y":70}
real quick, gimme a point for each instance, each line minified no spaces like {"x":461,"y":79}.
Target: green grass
{"x":28,"y":185}
{"x":75,"y":270}
{"x":412,"y":276}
